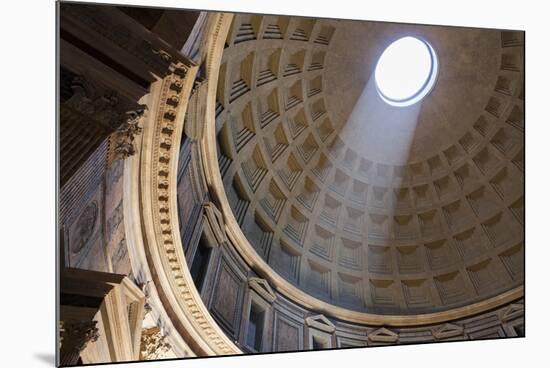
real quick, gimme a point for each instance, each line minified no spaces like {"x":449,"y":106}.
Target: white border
{"x":28,"y":162}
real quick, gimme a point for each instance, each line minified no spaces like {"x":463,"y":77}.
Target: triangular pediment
{"x":214,"y":222}
{"x":512,"y":311}
{"x":320,"y":322}
{"x":383,"y":335}
{"x":448,"y":330}
{"x":263,"y":288}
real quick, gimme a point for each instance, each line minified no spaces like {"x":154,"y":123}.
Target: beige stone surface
{"x":372,"y":208}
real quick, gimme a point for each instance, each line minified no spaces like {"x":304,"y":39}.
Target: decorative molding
{"x":320,"y":322}
{"x":135,"y":40}
{"x":74,"y":338}
{"x":448,"y":330}
{"x":194,"y":124}
{"x":137,"y":251}
{"x":162,"y":128}
{"x":112,"y":305}
{"x":214,"y":219}
{"x":263,"y":289}
{"x":101,"y":106}
{"x":512,"y":311}
{"x":383,"y":335}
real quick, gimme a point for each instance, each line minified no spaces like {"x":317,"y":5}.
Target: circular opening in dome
{"x":406,"y":71}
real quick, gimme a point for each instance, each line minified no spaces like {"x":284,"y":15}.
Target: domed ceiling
{"x":370,"y":207}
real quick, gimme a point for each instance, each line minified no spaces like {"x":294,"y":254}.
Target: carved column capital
{"x":74,"y":337}
{"x":77,"y":334}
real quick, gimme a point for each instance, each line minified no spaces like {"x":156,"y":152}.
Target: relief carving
{"x":154,"y":344}
{"x":144,"y":286}
{"x":165,"y":56}
{"x":122,"y":140}
{"x":120,"y":252}
{"x":114,"y":221}
{"x":98,"y":105}
{"x":75,"y":335}
{"x":85,"y":227}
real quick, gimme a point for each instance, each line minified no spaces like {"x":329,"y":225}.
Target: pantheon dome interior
{"x":246,"y":183}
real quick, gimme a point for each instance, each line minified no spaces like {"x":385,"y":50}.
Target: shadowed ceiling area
{"x":367,"y":206}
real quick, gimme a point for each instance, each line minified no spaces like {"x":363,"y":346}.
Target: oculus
{"x":406,"y":71}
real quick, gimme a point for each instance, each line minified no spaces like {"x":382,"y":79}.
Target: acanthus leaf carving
{"x":77,"y":334}
{"x":122,"y":140}
{"x":154,"y":344}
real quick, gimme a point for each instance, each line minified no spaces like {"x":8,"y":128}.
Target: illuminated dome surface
{"x":354,"y":201}
{"x":406,"y":71}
